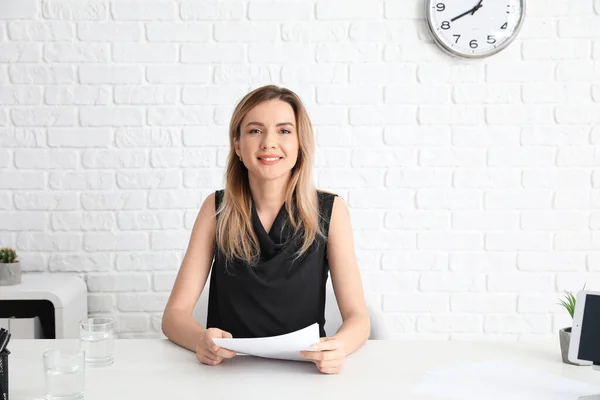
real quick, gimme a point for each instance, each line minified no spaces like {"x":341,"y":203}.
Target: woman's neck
{"x":268,"y":196}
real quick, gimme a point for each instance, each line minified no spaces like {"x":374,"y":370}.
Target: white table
{"x":158,"y":369}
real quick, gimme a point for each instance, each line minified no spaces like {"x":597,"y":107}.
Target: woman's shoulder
{"x":218,"y":197}
{"x":326,"y":195}
{"x":326,"y":202}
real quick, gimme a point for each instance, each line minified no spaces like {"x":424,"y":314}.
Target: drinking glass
{"x":65,"y":374}
{"x":96,"y":338}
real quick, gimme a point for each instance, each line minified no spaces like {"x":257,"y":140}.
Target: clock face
{"x":474,"y":28}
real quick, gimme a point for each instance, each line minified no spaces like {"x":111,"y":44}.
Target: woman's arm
{"x":178,"y":324}
{"x":346,"y":280}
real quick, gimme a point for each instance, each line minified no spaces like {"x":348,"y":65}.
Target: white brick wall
{"x":474,"y":186}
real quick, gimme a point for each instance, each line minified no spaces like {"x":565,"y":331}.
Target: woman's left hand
{"x":328,"y":355}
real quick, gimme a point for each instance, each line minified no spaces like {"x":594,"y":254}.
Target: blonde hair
{"x":235,"y":236}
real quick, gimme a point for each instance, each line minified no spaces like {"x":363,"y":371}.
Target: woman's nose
{"x":268,"y":141}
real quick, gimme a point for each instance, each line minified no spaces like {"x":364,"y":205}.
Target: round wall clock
{"x":474,"y":28}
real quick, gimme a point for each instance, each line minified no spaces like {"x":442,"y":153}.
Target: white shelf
{"x":68,"y":295}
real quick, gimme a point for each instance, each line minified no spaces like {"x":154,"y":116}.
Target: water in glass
{"x":65,"y":382}
{"x":98,"y":347}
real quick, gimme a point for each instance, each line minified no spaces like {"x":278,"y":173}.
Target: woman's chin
{"x":270,"y":174}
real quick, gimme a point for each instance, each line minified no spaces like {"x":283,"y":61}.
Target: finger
{"x":225,"y":353}
{"x":227,"y":335}
{"x":211,"y":343}
{"x":329,"y":370}
{"x":212,"y":356}
{"x":219,"y":333}
{"x":326,"y":355}
{"x":209,"y":361}
{"x":312,"y":355}
{"x":330,"y":364}
{"x":332,"y":344}
{"x":212,"y":346}
{"x":207,"y":358}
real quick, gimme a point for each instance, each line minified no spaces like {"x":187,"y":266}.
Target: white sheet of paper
{"x":283,"y":347}
{"x":501,"y":380}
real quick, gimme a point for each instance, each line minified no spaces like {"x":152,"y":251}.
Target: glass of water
{"x":65,"y":374}
{"x":96,"y":338}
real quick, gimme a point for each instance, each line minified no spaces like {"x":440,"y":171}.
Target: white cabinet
{"x":23,"y":328}
{"x":53,"y":302}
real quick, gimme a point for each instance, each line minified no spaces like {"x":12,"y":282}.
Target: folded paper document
{"x":283,"y":347}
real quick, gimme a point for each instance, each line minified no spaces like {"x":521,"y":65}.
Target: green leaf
{"x":569,"y":302}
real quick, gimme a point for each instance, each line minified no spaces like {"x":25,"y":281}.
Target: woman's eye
{"x":285,"y":131}
{"x":255,"y":131}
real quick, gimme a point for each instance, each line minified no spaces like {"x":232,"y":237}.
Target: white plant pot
{"x":10,"y":274}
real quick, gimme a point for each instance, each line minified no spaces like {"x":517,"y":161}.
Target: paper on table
{"x":501,"y":380}
{"x":283,"y":347}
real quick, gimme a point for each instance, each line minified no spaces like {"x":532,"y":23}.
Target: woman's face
{"x":268,"y":142}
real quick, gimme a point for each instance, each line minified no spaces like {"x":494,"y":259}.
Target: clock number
{"x":457,"y":37}
{"x":504,"y":26}
{"x":491,"y":39}
{"x":473,"y":44}
{"x":440,"y":6}
{"x":445,"y":25}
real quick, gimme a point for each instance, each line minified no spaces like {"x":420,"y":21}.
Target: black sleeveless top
{"x":279,"y":295}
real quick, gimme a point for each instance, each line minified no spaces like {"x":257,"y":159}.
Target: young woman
{"x":270,"y":239}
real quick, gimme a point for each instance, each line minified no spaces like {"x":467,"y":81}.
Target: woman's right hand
{"x":208,"y":352}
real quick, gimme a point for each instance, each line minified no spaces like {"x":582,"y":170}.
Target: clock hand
{"x":477,"y":7}
{"x":471,"y":11}
{"x":461,"y":15}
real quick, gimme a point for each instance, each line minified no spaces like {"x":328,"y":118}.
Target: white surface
{"x":59,"y":289}
{"x":494,"y":380}
{"x":68,"y":295}
{"x":159,"y":369}
{"x":283,"y":347}
{"x":577,"y":322}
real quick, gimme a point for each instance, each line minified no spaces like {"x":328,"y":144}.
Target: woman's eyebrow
{"x":261,"y":124}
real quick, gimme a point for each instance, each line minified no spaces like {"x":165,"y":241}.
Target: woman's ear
{"x":236,"y":147}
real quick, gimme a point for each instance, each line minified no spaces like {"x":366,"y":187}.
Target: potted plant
{"x":10,"y":268}
{"x":564,"y":334}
